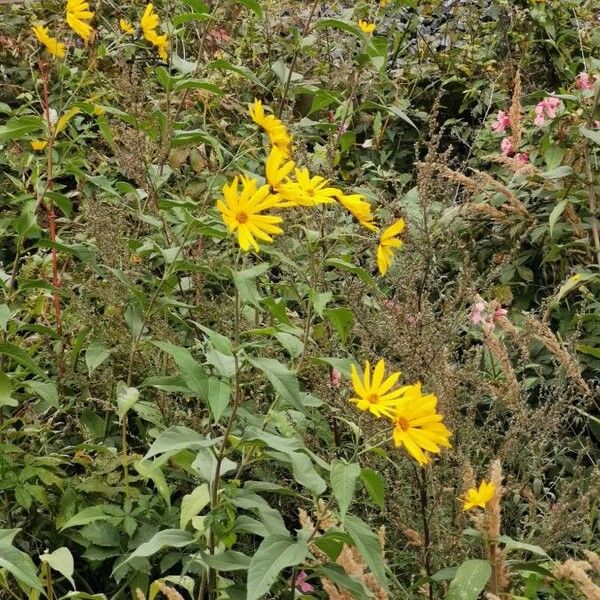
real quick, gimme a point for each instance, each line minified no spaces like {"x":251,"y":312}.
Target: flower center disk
{"x":403,"y":423}
{"x":241,"y":217}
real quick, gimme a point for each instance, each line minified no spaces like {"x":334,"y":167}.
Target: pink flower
{"x":597,"y":124}
{"x":522,"y":157}
{"x":476,"y":314}
{"x":335,"y":378}
{"x":546,"y":108}
{"x":302,"y":585}
{"x":584,"y":82}
{"x":552,"y":105}
{"x":501,"y":123}
{"x":499,"y":313}
{"x":507,"y":146}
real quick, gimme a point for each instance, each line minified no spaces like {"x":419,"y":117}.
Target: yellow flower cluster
{"x":149,"y":23}
{"x":78,"y":17}
{"x":51,"y":44}
{"x":291,"y":186}
{"x":417,"y":426}
{"x":479,"y":498}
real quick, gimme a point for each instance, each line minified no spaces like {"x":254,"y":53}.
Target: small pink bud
{"x":522,"y":157}
{"x":501,"y":123}
{"x":584,"y":82}
{"x":335,"y":377}
{"x":302,"y":585}
{"x":507,"y":146}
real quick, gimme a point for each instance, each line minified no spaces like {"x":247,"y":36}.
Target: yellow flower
{"x":479,"y":497}
{"x":577,"y":277}
{"x":273,"y":127}
{"x":374,"y":393}
{"x":149,"y":23}
{"x":359,"y":207}
{"x":53,"y":46}
{"x":417,"y":425}
{"x":242,"y":212}
{"x":383,"y":3}
{"x":366,"y":27}
{"x":38,"y":145}
{"x":275,"y":171}
{"x":126,"y":26}
{"x":388,"y":244}
{"x":310,"y":191}
{"x":97,"y":110}
{"x":78,"y":12}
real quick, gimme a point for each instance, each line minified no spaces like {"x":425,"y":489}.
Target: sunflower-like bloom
{"x":149,"y":22}
{"x":417,"y":425}
{"x":388,"y":244}
{"x":359,"y":207}
{"x":366,"y":27}
{"x":310,"y":191}
{"x":53,"y":46}
{"x":373,"y":393}
{"x":479,"y":497}
{"x":241,"y":212}
{"x":272,"y":126}
{"x":126,"y":26}
{"x":78,"y":12}
{"x":38,"y":145}
{"x":277,"y":169}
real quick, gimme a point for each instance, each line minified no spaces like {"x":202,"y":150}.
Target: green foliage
{"x":174,"y":411}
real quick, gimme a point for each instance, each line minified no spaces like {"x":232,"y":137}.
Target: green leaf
{"x":592,"y":134}
{"x":305,"y":473}
{"x":510,"y":544}
{"x":218,"y":397}
{"x":126,"y":398}
{"x":282,"y":379}
{"x":21,"y":357}
{"x":61,"y":560}
{"x":585,"y":349}
{"x":375,"y":485}
{"x":343,"y":478}
{"x":152,"y":471}
{"x":245,"y":282}
{"x":102,"y":533}
{"x":341,"y":319}
{"x":230,"y":560}
{"x":101,"y":512}
{"x":470,"y":580}
{"x":275,"y":553}
{"x":197,"y":84}
{"x":558,"y":172}
{"x":5,"y":316}
{"x":368,"y":545}
{"x":95,"y":355}
{"x":192,"y":372}
{"x":319,"y":301}
{"x":178,"y":438}
{"x":20,"y":566}
{"x":555,"y":214}
{"x":19,"y":127}
{"x":254,"y":6}
{"x":6,"y":389}
{"x":46,"y":391}
{"x":192,"y":504}
{"x":341,"y":25}
{"x":168,"y":538}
